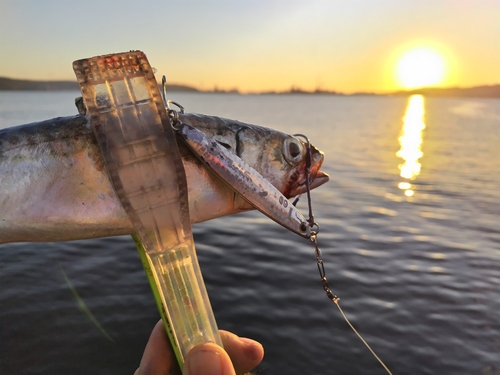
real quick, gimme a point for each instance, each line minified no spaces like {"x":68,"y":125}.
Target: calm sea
{"x":410,"y":236}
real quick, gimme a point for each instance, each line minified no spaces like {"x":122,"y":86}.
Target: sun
{"x":420,"y":67}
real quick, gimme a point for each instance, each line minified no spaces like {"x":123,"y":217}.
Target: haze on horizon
{"x":270,"y":45}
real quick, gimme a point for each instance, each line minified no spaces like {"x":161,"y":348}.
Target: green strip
{"x":83,"y":306}
{"x":156,"y":293}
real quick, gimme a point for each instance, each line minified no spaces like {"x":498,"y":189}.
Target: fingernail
{"x":206,"y":362}
{"x":253,"y":349}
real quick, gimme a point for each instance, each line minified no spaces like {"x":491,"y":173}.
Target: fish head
{"x":295,"y":154}
{"x":278,"y":157}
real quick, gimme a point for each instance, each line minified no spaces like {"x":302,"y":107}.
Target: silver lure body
{"x":54,"y":185}
{"x":245,"y":180}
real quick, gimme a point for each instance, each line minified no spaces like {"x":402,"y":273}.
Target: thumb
{"x":208,"y":359}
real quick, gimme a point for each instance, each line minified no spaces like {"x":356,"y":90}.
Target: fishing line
{"x":83,"y":306}
{"x":321,"y":267}
{"x":361,"y":338}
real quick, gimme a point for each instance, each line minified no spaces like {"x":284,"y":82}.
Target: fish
{"x":54,"y":185}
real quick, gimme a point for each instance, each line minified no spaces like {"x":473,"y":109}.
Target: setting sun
{"x":420,"y":67}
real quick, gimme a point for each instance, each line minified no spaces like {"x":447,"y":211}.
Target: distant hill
{"x":492,"y":91}
{"x":23,"y":84}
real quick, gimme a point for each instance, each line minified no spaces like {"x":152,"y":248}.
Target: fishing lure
{"x":245,"y":180}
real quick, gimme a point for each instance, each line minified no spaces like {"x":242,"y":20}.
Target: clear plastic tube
{"x":145,"y":168}
{"x":179,"y":277}
{"x":178,"y":287}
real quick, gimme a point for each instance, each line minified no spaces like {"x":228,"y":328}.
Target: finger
{"x":245,"y":353}
{"x":208,"y":359}
{"x":158,"y":357}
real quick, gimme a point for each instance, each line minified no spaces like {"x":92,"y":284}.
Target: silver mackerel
{"x":54,"y":185}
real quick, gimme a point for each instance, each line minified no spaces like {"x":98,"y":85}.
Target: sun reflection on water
{"x":411,"y":142}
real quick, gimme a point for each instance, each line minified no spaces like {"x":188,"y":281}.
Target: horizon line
{"x":294,"y":89}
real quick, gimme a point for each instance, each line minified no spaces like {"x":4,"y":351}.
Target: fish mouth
{"x":316,"y":179}
{"x":319,"y":179}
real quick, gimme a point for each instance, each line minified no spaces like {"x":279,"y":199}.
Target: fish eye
{"x":223,"y":144}
{"x":293,"y":150}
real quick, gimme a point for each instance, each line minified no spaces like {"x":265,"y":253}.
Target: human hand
{"x":238,"y":356}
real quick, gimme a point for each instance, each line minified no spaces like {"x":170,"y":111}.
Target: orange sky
{"x":347,"y":46}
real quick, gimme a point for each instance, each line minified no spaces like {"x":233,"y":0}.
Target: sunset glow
{"x":272,"y":46}
{"x":420,"y":67}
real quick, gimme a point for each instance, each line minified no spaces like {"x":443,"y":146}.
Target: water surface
{"x":414,"y":256}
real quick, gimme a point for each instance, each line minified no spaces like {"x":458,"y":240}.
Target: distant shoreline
{"x":484,"y":91}
{"x":10,"y":84}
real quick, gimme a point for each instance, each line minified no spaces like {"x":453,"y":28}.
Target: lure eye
{"x":293,"y":150}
